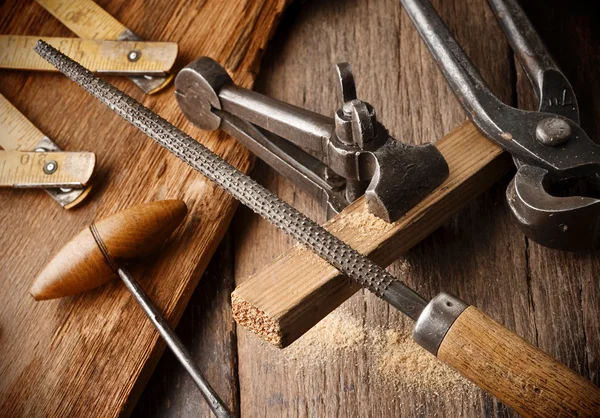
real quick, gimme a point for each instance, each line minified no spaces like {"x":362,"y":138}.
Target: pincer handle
{"x":496,"y":359}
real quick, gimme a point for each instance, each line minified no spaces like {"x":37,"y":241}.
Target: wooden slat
{"x":91,"y":355}
{"x":288,"y":297}
{"x":85,"y":18}
{"x":110,"y":57}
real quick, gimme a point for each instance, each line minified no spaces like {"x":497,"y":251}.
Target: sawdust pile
{"x":360,"y":223}
{"x":394,"y":360}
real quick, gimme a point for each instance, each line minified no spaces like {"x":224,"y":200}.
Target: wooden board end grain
{"x":91,"y":355}
{"x":286,"y":298}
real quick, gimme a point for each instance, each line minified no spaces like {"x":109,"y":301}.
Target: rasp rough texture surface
{"x":242,"y":187}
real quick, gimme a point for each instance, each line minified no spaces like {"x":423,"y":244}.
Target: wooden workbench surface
{"x":357,"y":362}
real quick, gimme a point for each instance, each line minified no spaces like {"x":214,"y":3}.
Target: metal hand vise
{"x":336,"y":160}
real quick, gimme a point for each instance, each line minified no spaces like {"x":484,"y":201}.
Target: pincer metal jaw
{"x":569,"y":223}
{"x":198,"y":96}
{"x":335,"y":159}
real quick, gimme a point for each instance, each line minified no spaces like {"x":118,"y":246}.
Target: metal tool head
{"x":549,"y":140}
{"x":337,"y":160}
{"x":398,"y":175}
{"x":403,"y":176}
{"x":197,"y":89}
{"x":569,"y":223}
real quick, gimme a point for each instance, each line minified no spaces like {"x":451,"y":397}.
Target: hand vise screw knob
{"x":355,"y":121}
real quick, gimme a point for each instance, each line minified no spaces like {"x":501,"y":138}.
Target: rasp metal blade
{"x":242,"y":187}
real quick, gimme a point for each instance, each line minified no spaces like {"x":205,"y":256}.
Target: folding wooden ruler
{"x":32,"y":160}
{"x":106,"y":46}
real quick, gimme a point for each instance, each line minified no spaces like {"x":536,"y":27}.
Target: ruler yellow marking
{"x":110,"y":57}
{"x":46,"y":169}
{"x":88,"y":20}
{"x":85,"y":18}
{"x":16,"y":132}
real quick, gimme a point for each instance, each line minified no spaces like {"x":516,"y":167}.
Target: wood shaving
{"x":361,"y":221}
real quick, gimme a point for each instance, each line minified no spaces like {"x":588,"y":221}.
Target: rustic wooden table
{"x":357,"y":362}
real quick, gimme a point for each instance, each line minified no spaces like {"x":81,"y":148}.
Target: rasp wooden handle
{"x":504,"y":364}
{"x":514,"y":371}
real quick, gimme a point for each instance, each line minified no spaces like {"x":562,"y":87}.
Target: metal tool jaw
{"x":554,"y":196}
{"x":336,"y":160}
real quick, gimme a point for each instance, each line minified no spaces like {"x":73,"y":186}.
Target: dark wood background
{"x":549,"y":297}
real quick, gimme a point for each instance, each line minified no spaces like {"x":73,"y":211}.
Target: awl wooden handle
{"x":504,"y":364}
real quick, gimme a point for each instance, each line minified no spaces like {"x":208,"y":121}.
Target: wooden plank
{"x":288,"y":297}
{"x":92,"y":354}
{"x":358,"y":360}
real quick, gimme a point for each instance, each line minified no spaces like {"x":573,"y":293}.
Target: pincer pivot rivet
{"x":553,"y":132}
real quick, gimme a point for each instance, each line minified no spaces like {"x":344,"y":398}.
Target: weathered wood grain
{"x":549,"y":297}
{"x":91,"y":355}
